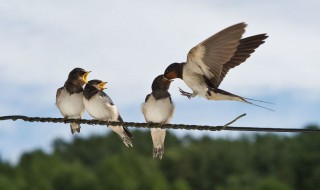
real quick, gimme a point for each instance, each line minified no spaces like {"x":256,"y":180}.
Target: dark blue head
{"x":160,"y":83}
{"x":173,"y":71}
{"x":78,"y":76}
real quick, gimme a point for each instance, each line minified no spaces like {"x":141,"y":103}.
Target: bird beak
{"x":102,"y":85}
{"x":85,"y":76}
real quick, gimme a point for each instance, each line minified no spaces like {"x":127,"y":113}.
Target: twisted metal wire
{"x":226,"y":127}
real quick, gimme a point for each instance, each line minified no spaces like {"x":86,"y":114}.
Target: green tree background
{"x":251,"y":162}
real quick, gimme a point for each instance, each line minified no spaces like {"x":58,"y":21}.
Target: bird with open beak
{"x":100,"y":106}
{"x":69,"y":97}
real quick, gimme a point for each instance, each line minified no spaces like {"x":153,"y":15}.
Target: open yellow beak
{"x":85,"y":77}
{"x":102,"y":85}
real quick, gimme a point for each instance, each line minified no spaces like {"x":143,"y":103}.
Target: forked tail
{"x":245,"y":100}
{"x":258,"y":101}
{"x":124,"y":134}
{"x":218,"y":94}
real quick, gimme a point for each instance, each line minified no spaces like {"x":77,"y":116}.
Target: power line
{"x":226,"y":127}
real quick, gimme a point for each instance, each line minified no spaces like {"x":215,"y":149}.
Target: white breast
{"x":157,"y":111}
{"x":193,"y":78}
{"x":70,"y":106}
{"x":100,"y":109}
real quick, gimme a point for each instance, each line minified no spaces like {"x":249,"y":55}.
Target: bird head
{"x":173,"y":71}
{"x":98,"y":84}
{"x":79,"y":76}
{"x":160,"y":83}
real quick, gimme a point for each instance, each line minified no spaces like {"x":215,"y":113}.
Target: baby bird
{"x":69,"y":97}
{"x":158,"y":108}
{"x":100,"y":106}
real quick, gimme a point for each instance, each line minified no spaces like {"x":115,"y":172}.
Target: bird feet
{"x":187,"y":94}
{"x":157,"y":124}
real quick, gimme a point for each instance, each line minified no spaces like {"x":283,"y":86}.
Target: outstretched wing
{"x":246,"y":47}
{"x":208,"y":57}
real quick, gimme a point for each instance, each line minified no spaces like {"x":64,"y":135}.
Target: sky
{"x":129,"y":43}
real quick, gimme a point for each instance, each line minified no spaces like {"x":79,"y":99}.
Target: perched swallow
{"x":158,"y":108}
{"x":209,"y":62}
{"x":100,"y":106}
{"x":69,"y":97}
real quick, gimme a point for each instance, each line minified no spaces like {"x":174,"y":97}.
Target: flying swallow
{"x":158,"y":108}
{"x":100,"y":106}
{"x":69,"y":97}
{"x":209,"y":62}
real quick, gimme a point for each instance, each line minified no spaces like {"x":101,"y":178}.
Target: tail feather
{"x":245,"y":100}
{"x":75,"y":127}
{"x":126,"y":130}
{"x":158,"y":152}
{"x":259,"y":101}
{"x":121,"y":131}
{"x":158,"y":136}
{"x":126,"y":140}
{"x":218,"y":94}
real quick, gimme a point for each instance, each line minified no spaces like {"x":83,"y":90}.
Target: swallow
{"x":158,"y":108}
{"x":208,"y":63}
{"x":100,"y":106}
{"x":69,"y":97}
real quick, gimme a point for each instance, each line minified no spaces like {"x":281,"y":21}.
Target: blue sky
{"x":128,"y":43}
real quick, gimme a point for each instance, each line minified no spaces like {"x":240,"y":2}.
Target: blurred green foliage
{"x":253,"y":162}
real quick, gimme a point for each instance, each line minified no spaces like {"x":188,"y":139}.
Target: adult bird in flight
{"x":209,"y":62}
